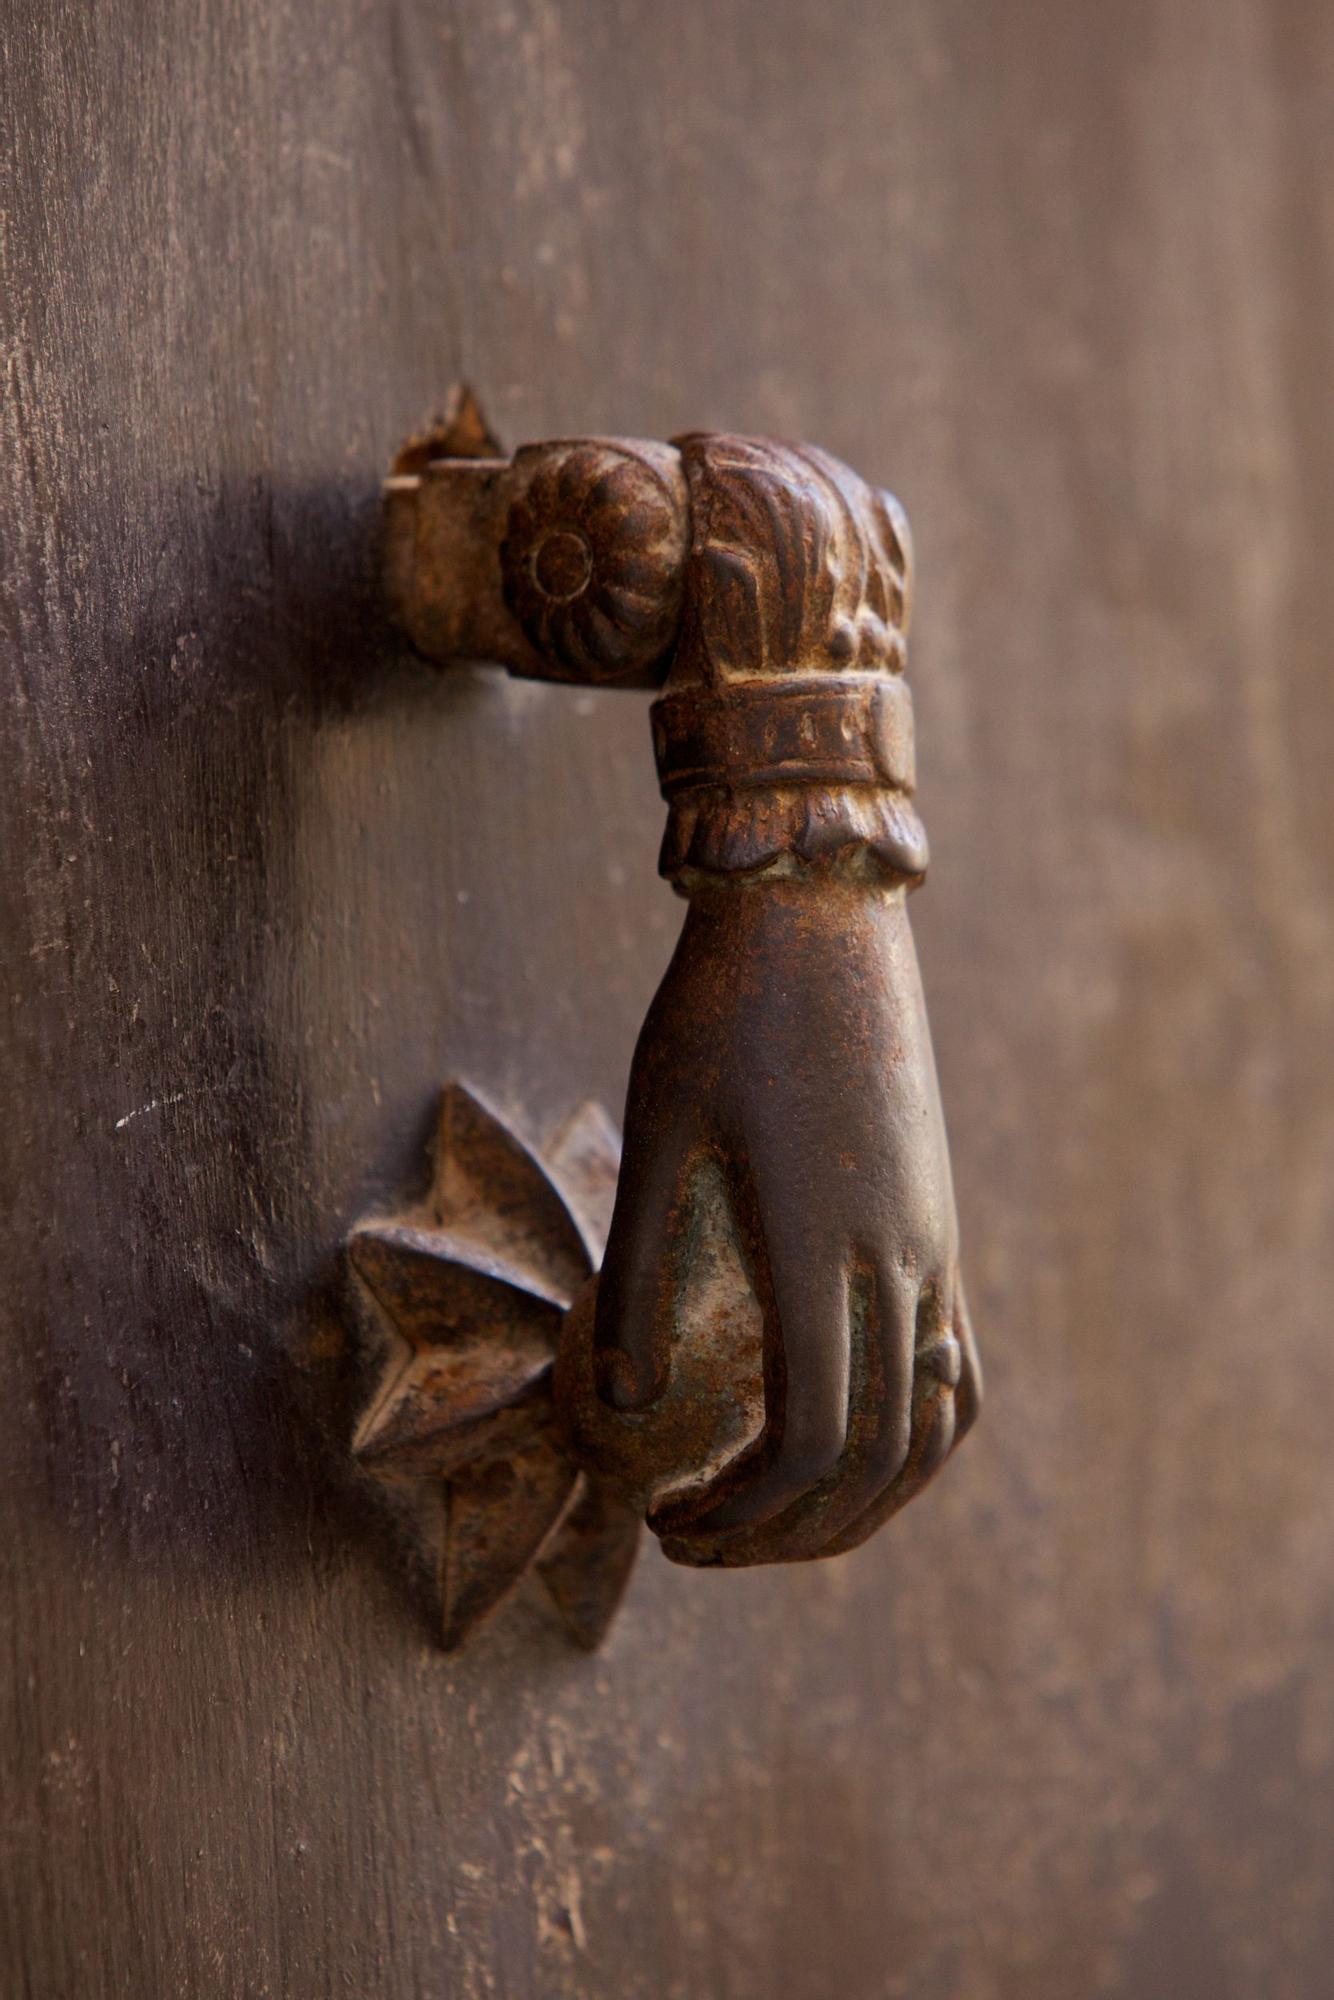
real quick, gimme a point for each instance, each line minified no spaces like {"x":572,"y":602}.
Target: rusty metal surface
{"x":461,"y":1298}
{"x":565,"y":563}
{"x":778,"y":1354}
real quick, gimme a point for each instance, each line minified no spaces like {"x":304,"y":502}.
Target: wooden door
{"x":1064,"y":278}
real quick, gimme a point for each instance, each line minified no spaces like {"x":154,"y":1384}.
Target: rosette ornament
{"x":592,"y":556}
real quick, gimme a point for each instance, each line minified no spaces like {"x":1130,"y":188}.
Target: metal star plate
{"x":466,"y":1293}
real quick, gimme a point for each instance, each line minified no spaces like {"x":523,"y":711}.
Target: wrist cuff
{"x":818,"y":770}
{"x":846,"y":731}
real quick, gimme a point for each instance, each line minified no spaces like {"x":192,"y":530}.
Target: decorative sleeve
{"x":784,"y":731}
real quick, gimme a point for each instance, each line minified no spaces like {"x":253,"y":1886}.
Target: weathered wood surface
{"x":1064,"y":277}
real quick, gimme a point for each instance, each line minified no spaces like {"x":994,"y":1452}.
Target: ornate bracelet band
{"x":831,"y":730}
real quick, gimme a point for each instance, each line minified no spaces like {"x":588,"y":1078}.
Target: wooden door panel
{"x":1061,"y":277}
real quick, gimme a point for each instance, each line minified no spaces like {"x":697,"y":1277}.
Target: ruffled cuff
{"x":816,"y":768}
{"x":726,"y":831}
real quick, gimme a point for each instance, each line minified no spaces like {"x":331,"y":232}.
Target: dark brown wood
{"x":1064,"y":276}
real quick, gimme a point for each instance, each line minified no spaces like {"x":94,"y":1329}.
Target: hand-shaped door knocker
{"x":776,"y":1355}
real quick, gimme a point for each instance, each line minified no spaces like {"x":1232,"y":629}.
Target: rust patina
{"x":776,"y":1355}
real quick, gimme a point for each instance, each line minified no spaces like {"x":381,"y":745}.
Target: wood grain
{"x":1064,"y":278}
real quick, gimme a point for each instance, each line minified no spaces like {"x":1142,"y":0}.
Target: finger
{"x":801,"y":1279}
{"x":946,"y":1401}
{"x":878,"y":1435}
{"x":632,"y":1327}
{"x":932,"y":1442}
{"x":968,"y":1395}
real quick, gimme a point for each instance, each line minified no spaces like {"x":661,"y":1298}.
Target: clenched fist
{"x":783,"y":1122}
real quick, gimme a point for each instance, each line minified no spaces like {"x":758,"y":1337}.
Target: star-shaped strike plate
{"x":466,"y":1293}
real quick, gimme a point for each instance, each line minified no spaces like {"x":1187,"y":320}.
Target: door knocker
{"x":776,"y":1354}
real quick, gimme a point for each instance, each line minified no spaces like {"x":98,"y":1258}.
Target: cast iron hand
{"x":777,"y":1355}
{"x":784,"y":1077}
